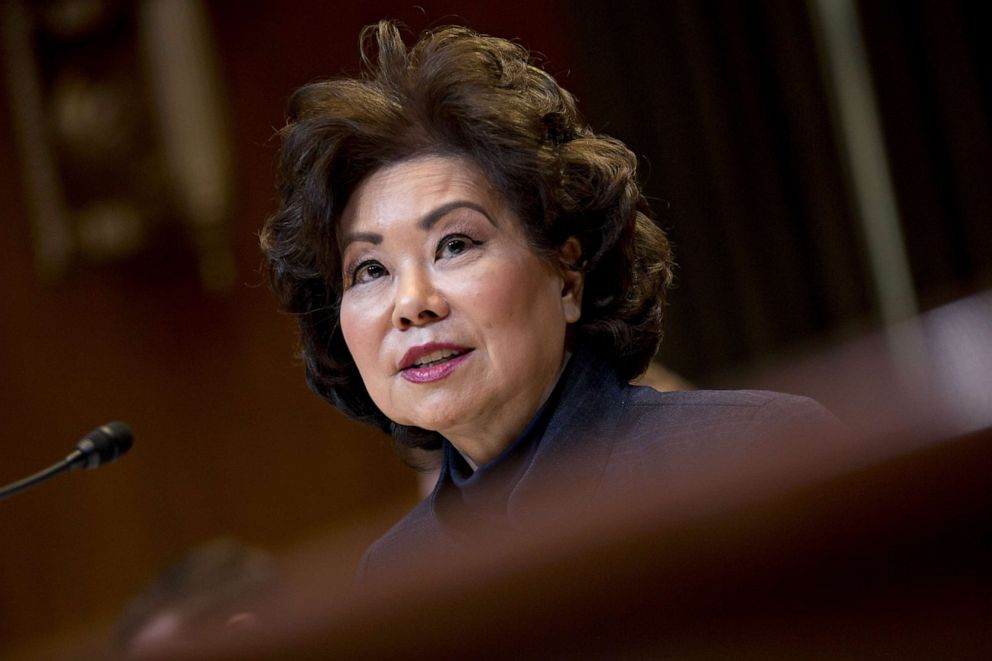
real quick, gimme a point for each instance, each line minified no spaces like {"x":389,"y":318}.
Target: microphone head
{"x":103,"y":445}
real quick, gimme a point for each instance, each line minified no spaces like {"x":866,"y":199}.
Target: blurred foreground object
{"x":200,"y":586}
{"x":119,"y":117}
{"x":857,"y":550}
{"x":939,"y":389}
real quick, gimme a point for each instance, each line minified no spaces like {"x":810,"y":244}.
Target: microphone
{"x":101,"y":446}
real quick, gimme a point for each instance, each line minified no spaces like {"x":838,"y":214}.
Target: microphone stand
{"x":32,"y":480}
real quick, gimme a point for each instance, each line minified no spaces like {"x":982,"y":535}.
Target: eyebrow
{"x":427,"y":222}
{"x":430,"y":219}
{"x":367,"y":237}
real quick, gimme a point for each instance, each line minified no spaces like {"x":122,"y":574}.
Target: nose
{"x":418,"y":302}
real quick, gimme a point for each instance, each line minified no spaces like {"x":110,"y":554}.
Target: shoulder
{"x":704,"y":422}
{"x":720,"y":406}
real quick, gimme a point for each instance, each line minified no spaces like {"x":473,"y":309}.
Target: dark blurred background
{"x":137,"y":152}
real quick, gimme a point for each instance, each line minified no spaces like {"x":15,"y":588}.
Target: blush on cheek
{"x":504,"y":297}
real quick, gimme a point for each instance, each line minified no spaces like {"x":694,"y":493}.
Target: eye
{"x":368,"y":271}
{"x":455,"y":244}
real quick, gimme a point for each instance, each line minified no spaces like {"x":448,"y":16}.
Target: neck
{"x":480,"y":446}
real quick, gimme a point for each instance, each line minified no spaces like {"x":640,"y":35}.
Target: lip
{"x":415,"y":353}
{"x":428,"y":373}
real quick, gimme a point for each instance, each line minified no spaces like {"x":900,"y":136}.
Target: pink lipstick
{"x":432,"y":361}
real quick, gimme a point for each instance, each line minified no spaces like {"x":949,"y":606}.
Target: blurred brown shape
{"x":201,"y":583}
{"x":876,"y":545}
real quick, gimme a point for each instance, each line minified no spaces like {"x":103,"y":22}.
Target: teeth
{"x":434,"y":357}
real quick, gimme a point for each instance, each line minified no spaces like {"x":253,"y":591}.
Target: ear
{"x":572,"y":279}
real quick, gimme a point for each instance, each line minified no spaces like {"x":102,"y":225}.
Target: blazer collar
{"x":569,"y":444}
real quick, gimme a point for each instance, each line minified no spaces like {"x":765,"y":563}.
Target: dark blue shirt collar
{"x":579,"y":411}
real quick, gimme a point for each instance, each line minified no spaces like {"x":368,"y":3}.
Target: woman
{"x":474,"y":269}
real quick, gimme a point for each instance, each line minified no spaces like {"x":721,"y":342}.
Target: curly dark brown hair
{"x":459,"y":93}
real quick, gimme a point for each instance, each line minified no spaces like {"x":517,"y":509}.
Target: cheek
{"x":364,"y":339}
{"x":495,"y":300}
{"x":356,"y":327}
{"x":517,"y":302}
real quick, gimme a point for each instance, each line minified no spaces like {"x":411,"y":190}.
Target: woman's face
{"x":455,"y":324}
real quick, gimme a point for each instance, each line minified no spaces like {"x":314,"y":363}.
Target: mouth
{"x":432,"y":362}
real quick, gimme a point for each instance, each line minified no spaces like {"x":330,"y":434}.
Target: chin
{"x":435,"y":425}
{"x":436,"y":408}
{"x":429,"y":422}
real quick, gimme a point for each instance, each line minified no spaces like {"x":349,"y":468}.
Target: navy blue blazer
{"x":615,"y":429}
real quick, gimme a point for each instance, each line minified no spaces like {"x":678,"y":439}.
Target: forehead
{"x":410,"y":189}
